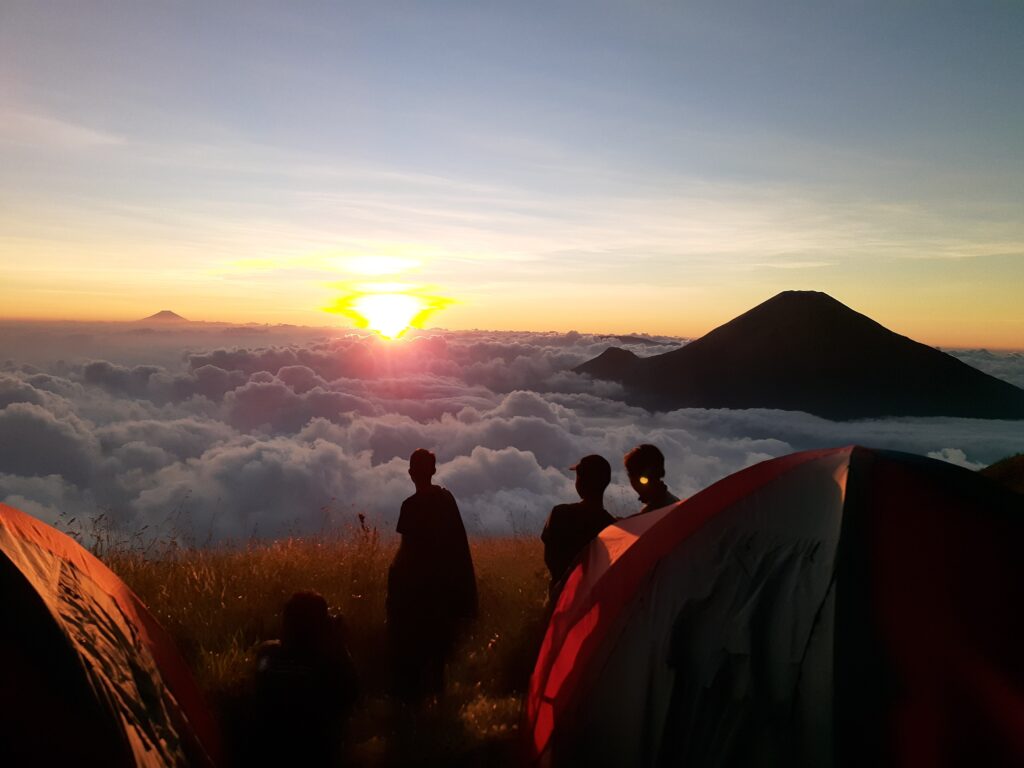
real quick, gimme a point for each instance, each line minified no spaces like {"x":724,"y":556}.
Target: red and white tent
{"x":87,"y":675}
{"x":839,"y":607}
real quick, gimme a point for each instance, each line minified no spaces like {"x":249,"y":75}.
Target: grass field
{"x":220,"y":603}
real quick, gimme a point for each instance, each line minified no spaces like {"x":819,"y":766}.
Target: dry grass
{"x":220,"y":603}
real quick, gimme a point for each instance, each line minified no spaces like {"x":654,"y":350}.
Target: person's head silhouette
{"x":645,"y":467}
{"x":593,"y":474}
{"x":422,"y":466}
{"x":305,"y":622}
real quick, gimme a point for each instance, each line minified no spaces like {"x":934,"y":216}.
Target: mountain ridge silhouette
{"x":806,"y":351}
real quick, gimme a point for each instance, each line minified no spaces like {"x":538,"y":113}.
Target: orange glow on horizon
{"x":991,"y":320}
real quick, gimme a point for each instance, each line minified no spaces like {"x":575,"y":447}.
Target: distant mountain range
{"x":164,"y":316}
{"x":805,"y":351}
{"x":646,"y":341}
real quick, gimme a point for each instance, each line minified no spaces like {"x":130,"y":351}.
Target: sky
{"x":600,"y":166}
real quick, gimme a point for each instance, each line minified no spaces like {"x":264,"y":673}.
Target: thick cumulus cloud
{"x":37,"y":442}
{"x":307,"y":429}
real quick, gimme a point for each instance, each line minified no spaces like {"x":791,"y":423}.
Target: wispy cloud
{"x":38,"y":130}
{"x":791,"y":264}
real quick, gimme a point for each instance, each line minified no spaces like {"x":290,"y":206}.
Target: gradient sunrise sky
{"x":602,"y":166}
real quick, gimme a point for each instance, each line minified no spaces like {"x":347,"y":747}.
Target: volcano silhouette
{"x":805,"y":351}
{"x":164,"y":316}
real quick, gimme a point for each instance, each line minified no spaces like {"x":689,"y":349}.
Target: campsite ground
{"x":220,"y":603}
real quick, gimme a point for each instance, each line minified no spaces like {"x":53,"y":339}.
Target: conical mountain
{"x":805,"y":351}
{"x":164,"y":316}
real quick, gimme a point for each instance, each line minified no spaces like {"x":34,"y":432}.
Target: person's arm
{"x":549,"y":537}
{"x":395,"y":597}
{"x":403,"y":519}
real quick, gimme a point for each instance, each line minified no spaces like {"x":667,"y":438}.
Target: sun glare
{"x":389,"y":314}
{"x":386,"y":305}
{"x":379,"y":265}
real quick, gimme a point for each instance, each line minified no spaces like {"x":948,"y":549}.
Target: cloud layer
{"x":308,"y":430}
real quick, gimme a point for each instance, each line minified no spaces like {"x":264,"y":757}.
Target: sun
{"x":389,"y":314}
{"x":390,"y":309}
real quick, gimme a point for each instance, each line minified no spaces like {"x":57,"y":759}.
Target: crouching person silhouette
{"x":431,"y":585}
{"x":306,"y":686}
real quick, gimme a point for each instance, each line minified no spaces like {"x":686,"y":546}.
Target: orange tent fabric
{"x":88,"y":674}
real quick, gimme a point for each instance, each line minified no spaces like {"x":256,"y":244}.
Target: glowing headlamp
{"x":644,"y":480}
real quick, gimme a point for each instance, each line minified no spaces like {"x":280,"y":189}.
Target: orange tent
{"x":87,"y":675}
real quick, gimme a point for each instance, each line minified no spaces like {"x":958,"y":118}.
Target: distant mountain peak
{"x":164,"y":316}
{"x":806,"y":351}
{"x":795,"y":295}
{"x":802,"y":299}
{"x":611,"y":364}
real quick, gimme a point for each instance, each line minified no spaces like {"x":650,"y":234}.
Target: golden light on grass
{"x":221,"y":602}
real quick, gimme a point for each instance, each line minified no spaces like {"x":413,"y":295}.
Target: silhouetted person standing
{"x":645,"y":467}
{"x":431,"y":584}
{"x":570,"y":527}
{"x":306,"y":687}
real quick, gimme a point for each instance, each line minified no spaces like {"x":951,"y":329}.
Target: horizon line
{"x":360,"y":331}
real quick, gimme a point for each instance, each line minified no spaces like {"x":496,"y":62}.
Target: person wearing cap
{"x":645,"y":467}
{"x":431,"y":584}
{"x":570,"y":527}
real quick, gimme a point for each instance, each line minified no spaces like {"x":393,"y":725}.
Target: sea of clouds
{"x":231,"y":432}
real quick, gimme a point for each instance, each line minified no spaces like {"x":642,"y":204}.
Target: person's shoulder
{"x":569,"y":506}
{"x":667,"y":498}
{"x":268,"y":646}
{"x":443,"y":496}
{"x":410,"y":515}
{"x":565,"y":511}
{"x":407,"y":508}
{"x":267,"y":652}
{"x":558,"y":517}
